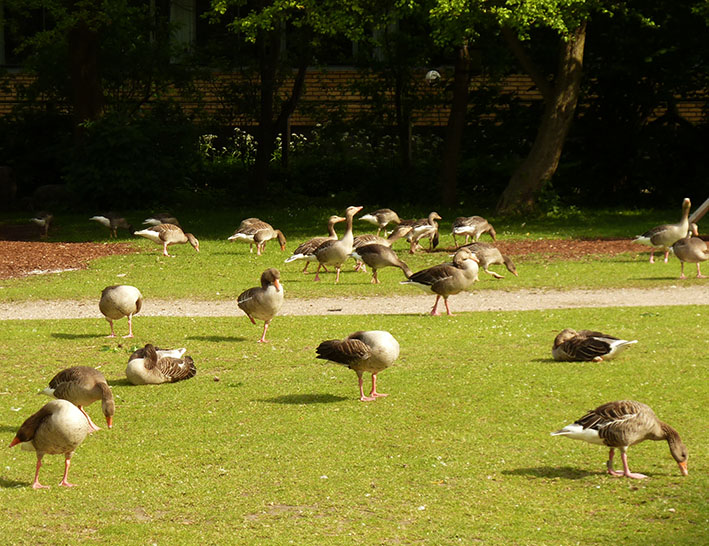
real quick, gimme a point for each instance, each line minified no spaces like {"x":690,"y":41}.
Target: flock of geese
{"x":61,"y":425}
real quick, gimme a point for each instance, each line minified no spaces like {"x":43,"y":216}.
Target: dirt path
{"x":518,"y":300}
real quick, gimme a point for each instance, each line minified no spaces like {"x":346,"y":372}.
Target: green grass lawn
{"x":269,"y":445}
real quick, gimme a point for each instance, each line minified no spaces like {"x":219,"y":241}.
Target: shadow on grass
{"x":565,"y":472}
{"x":218,"y":339}
{"x":64,"y":335}
{"x":120,"y":383}
{"x":11,"y":484}
{"x":304,"y":399}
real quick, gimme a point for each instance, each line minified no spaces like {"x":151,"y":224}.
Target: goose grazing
{"x":257,"y":232}
{"x":82,"y":386}
{"x":113,"y":221}
{"x":379,"y":256}
{"x":168,"y":234}
{"x":335,"y":253}
{"x":426,"y":228}
{"x":447,"y":279}
{"x":381,"y":218}
{"x":153,"y":366}
{"x":490,"y":255}
{"x":263,"y":302}
{"x":368,"y":239}
{"x":622,"y":424}
{"x":692,"y":250}
{"x":368,"y":351}
{"x":472,"y":227}
{"x":43,"y":220}
{"x":118,"y":301}
{"x":160,"y":218}
{"x":306,"y":251}
{"x":664,"y":236}
{"x":587,"y":345}
{"x":58,"y":427}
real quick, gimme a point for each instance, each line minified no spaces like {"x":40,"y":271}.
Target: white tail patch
{"x":577,"y":432}
{"x":618,"y":346}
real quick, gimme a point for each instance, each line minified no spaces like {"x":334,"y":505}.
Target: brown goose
{"x":426,"y":228}
{"x":335,"y":253}
{"x":152,"y":366}
{"x":622,"y":424}
{"x":82,"y":386}
{"x":58,"y":427}
{"x":168,"y":234}
{"x":490,"y":255}
{"x":664,"y":236}
{"x":43,"y":220}
{"x":369,"y":239}
{"x":161,"y":218}
{"x":692,"y":250}
{"x":263,"y":302}
{"x":379,"y":256}
{"x":306,"y":251}
{"x":587,"y":345}
{"x":257,"y":232}
{"x":113,"y":221}
{"x":447,"y":279}
{"x":381,"y":218}
{"x":369,"y":351}
{"x":118,"y":301}
{"x":472,"y":227}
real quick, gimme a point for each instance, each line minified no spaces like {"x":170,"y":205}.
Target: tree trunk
{"x":87,"y":92}
{"x":559,"y":108}
{"x":454,"y":129}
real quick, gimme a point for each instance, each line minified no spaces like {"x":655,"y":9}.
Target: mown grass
{"x":267,"y":445}
{"x":223,"y":269}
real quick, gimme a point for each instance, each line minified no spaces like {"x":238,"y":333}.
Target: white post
{"x":701,"y":211}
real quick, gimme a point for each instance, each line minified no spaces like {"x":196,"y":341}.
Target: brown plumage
{"x":306,"y":250}
{"x":622,"y":424}
{"x":426,"y":228}
{"x":490,"y":255}
{"x":161,"y":218}
{"x":381,"y":218}
{"x":113,"y":221}
{"x":152,"y":366}
{"x":664,"y":236}
{"x":257,"y":232}
{"x":263,"y":302}
{"x":691,"y":250}
{"x":168,"y":234}
{"x":118,"y":301}
{"x":82,"y":386}
{"x":587,"y":345}
{"x":472,"y":227}
{"x":379,"y":256}
{"x":335,"y":253}
{"x":44,"y":221}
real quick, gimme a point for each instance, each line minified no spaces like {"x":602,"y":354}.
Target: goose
{"x":365,"y":351}
{"x":472,"y":227}
{"x":664,"y":236}
{"x":58,"y":427}
{"x":306,"y":250}
{"x":113,"y":221}
{"x":118,"y":301}
{"x":168,"y":234}
{"x":263,"y":302}
{"x":422,"y":229}
{"x":368,"y":239}
{"x":160,"y":218}
{"x":587,"y":345}
{"x":447,"y":279}
{"x":43,"y":220}
{"x":82,"y":386}
{"x":692,"y":250}
{"x":257,"y":232}
{"x":489,"y":255}
{"x":153,"y":366}
{"x":335,"y":253}
{"x":381,"y":218}
{"x":622,"y":424}
{"x":379,"y":256}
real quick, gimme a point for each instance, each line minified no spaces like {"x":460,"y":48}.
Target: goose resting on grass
{"x":263,"y":302}
{"x":168,"y":234}
{"x":153,"y":366}
{"x":82,"y":386}
{"x":58,"y":427}
{"x":118,"y":301}
{"x":664,"y":236}
{"x":620,"y":425}
{"x":365,"y":351}
{"x":587,"y":345}
{"x":306,"y":250}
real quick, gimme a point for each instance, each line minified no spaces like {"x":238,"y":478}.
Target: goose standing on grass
{"x":263,"y":302}
{"x":168,"y":234}
{"x":620,"y":425}
{"x":381,"y":218}
{"x":472,"y":227}
{"x":587,"y":345}
{"x":379,"y":256}
{"x":335,"y":253}
{"x":257,"y":232}
{"x":365,"y":351}
{"x":58,"y":427}
{"x":153,"y":366}
{"x":113,"y":221}
{"x":160,"y":218}
{"x":426,"y":228}
{"x":490,"y":255}
{"x":118,"y":301}
{"x":664,"y":236}
{"x":692,"y":250}
{"x":43,"y":220}
{"x":82,"y":386}
{"x":306,"y":251}
{"x":447,"y":279}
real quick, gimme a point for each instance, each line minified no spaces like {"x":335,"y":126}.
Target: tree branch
{"x":527,"y":63}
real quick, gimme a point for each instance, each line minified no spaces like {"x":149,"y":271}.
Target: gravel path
{"x":518,"y":300}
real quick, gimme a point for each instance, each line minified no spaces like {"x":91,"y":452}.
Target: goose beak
{"x":14,"y":442}
{"x":109,"y":421}
{"x":277,"y":285}
{"x":683,"y":468}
